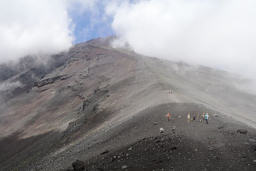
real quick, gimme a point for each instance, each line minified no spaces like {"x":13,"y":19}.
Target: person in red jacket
{"x":168,"y":116}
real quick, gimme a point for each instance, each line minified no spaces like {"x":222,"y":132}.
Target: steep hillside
{"x":95,"y":102}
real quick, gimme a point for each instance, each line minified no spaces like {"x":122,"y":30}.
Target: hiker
{"x":168,"y":116}
{"x":197,"y":116}
{"x":202,"y":117}
{"x":206,"y":117}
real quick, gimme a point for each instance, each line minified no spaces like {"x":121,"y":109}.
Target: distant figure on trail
{"x":188,"y":117}
{"x":206,"y":117}
{"x":202,"y":117}
{"x":168,"y":116}
{"x":197,"y":116}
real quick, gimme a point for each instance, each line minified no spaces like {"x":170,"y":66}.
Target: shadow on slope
{"x":17,"y":153}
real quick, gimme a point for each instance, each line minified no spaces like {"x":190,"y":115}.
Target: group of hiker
{"x":190,"y":117}
{"x":203,"y":117}
{"x":170,"y":91}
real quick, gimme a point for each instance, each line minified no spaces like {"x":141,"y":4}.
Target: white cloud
{"x":40,"y":27}
{"x":216,"y":33}
{"x":33,"y":27}
{"x":9,"y":85}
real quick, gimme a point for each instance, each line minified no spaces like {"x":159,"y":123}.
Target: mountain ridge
{"x":77,"y":108}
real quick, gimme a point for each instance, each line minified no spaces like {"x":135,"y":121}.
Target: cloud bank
{"x":215,"y":33}
{"x":29,"y":27}
{"x":45,"y":27}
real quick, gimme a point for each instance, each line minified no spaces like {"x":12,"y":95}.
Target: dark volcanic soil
{"x":184,"y":145}
{"x":105,"y":106}
{"x":172,"y":152}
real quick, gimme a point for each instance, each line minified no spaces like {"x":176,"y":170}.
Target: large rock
{"x":51,"y":80}
{"x":242,"y":131}
{"x":78,"y":165}
{"x":161,"y":130}
{"x":104,"y":152}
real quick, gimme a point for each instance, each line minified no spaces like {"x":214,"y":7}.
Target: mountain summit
{"x":100,"y":108}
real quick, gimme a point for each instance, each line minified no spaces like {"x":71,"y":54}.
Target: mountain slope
{"x":102,"y":98}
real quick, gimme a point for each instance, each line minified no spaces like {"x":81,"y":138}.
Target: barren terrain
{"x":105,"y":107}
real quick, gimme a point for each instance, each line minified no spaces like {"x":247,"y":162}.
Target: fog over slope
{"x":104,"y":101}
{"x":94,"y":91}
{"x":215,"y":33}
{"x":219,"y":34}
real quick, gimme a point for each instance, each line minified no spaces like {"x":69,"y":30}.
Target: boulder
{"x":78,"y":165}
{"x":104,"y":152}
{"x":215,"y":115}
{"x":51,"y":80}
{"x":252,"y":140}
{"x":124,"y":167}
{"x":161,"y":130}
{"x":220,"y":127}
{"x":242,"y":131}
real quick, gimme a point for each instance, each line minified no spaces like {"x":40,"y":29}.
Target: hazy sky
{"x":216,"y":33}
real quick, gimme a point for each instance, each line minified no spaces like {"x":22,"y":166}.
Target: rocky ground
{"x":105,"y":106}
{"x":184,"y":145}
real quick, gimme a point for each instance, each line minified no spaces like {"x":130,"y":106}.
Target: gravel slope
{"x":111,"y":99}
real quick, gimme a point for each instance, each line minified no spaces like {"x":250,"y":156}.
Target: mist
{"x":9,"y":85}
{"x":215,"y":33}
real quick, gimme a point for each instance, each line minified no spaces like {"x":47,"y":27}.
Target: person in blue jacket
{"x":206,"y":117}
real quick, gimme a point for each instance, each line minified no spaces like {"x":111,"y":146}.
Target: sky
{"x":91,"y":22}
{"x":215,"y":33}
